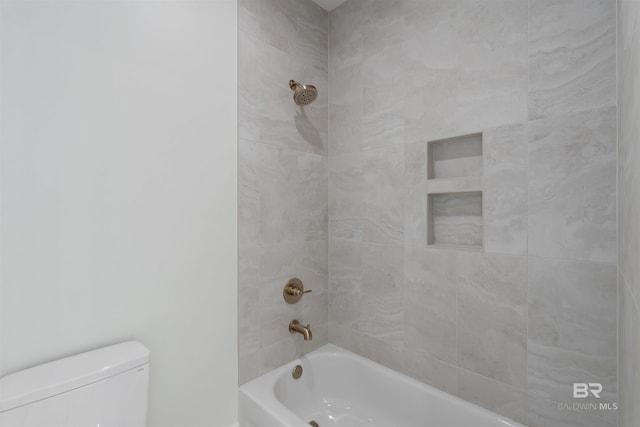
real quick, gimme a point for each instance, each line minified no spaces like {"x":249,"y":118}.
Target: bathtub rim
{"x":261,"y":390}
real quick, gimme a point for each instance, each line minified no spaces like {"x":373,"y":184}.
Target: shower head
{"x":303,"y":94}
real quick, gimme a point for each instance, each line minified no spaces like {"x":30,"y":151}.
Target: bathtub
{"x":339,"y":388}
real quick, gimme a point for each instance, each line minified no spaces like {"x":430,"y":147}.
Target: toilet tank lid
{"x":59,"y":376}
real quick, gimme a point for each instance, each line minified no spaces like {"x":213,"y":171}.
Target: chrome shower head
{"x":303,"y":94}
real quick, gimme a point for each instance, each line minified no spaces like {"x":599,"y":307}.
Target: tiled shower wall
{"x":283,"y":180}
{"x":509,"y":327}
{"x":512,"y":326}
{"x":629,"y":211}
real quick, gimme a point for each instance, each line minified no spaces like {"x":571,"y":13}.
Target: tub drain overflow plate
{"x":296,"y":372}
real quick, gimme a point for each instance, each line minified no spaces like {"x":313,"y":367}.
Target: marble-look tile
{"x":248,"y":194}
{"x":278,"y":24}
{"x":415,"y":195}
{"x":249,"y":17}
{"x":312,"y":52}
{"x":572,"y":62}
{"x":386,"y":132}
{"x":431,"y":54}
{"x":314,"y":273}
{"x":546,"y":413}
{"x":572,"y":305}
{"x":628,"y":356}
{"x":383,"y":352}
{"x":493,"y":395}
{"x":457,"y":218}
{"x":492,"y":64}
{"x":313,"y":196}
{"x":384,"y":185}
{"x":431,"y":33}
{"x":492,"y":316}
{"x":552,"y":371}
{"x":383,"y":98}
{"x":345,"y":86}
{"x":277,"y":354}
{"x":345,"y":138}
{"x":275,"y":313}
{"x":279,"y":219}
{"x":505,"y":189}
{"x":310,"y":124}
{"x":456,"y":157}
{"x":248,"y":301}
{"x":278,"y":264}
{"x":383,"y":320}
{"x":281,"y":122}
{"x":415,"y":166}
{"x":430,"y":105}
{"x":382,"y":25}
{"x":283,"y":179}
{"x":382,"y":91}
{"x":345,"y":35}
{"x":628,"y":212}
{"x":430,"y":302}
{"x":346,"y":229}
{"x":347,"y":338}
{"x":382,"y":315}
{"x":317,"y":112}
{"x":572,"y":186}
{"x":313,"y":43}
{"x":628,"y":149}
{"x":249,"y":86}
{"x":312,"y":121}
{"x":345,"y":259}
{"x":310,"y":14}
{"x":382,"y":272}
{"x":277,"y":108}
{"x":572,"y":328}
{"x":347,"y":195}
{"x":629,"y":204}
{"x":430,"y":370}
{"x":628,"y":23}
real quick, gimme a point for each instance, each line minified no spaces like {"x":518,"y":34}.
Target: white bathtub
{"x":339,"y":388}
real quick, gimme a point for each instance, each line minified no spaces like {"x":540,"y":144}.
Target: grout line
{"x":634,"y":297}
{"x":526,"y":142}
{"x":502,"y":383}
{"x":258,"y":172}
{"x":617,"y":210}
{"x":457,"y":269}
{"x":329,"y":191}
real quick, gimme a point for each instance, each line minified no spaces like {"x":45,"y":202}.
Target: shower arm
{"x":294,"y":84}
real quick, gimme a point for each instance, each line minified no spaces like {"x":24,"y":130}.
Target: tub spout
{"x":295,"y":326}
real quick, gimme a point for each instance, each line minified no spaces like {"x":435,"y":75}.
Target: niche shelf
{"x":454,"y":192}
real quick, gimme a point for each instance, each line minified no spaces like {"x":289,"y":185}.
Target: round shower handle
{"x":293,"y":291}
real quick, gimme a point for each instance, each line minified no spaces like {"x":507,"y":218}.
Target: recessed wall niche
{"x":454,"y":192}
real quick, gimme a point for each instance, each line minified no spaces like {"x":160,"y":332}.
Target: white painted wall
{"x":118,"y":192}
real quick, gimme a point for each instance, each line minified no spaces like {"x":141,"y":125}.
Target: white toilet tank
{"x":107,"y":387}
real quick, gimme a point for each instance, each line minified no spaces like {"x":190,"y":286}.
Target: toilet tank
{"x":107,"y":387}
